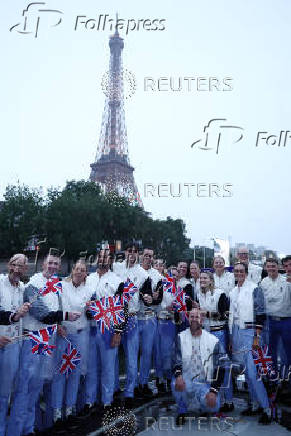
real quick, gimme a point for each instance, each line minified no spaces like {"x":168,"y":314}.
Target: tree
{"x":22,"y":215}
{"x":79,"y":216}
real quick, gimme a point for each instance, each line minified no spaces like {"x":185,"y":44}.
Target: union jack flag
{"x":101,"y":315}
{"x":179,"y":304}
{"x":108,"y":311}
{"x":52,"y":285}
{"x":169,"y":284}
{"x":40,"y":340}
{"x":70,"y":359}
{"x":129,"y":290}
{"x":263,"y":361}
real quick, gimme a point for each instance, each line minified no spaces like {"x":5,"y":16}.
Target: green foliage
{"x":79,"y":216}
{"x":22,"y":214}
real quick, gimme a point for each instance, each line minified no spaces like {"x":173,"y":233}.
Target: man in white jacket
{"x":11,"y":303}
{"x":246,"y":317}
{"x":130,"y":338}
{"x":198,"y":362}
{"x":278,"y":308}
{"x":35,"y":368}
{"x":100,"y":380}
{"x":151,"y":295}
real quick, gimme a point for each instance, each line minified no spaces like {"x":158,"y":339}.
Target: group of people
{"x":195,"y":351}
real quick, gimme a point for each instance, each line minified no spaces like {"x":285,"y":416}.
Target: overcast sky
{"x":52,"y":104}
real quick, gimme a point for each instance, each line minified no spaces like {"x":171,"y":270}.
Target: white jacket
{"x":50,"y":300}
{"x":224,"y":282}
{"x":11,"y":298}
{"x":207,"y":344}
{"x":254,"y":273}
{"x":74,"y":300}
{"x":277,"y":296}
{"x":242,"y":298}
{"x":209,"y":303}
{"x":104,"y":286}
{"x":137,"y":275}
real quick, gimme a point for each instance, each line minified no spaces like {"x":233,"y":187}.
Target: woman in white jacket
{"x":215,"y":305}
{"x":75,"y":293}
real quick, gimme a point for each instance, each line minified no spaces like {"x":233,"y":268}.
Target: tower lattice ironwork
{"x":112,"y":169}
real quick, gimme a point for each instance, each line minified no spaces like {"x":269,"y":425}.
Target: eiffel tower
{"x":112,"y":169}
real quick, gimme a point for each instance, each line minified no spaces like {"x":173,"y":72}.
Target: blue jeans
{"x":130,"y":343}
{"x":242,"y":341}
{"x":167,"y":331}
{"x":93,"y":378}
{"x":147,"y":331}
{"x":130,"y":340}
{"x":157,"y":354}
{"x":9,"y":366}
{"x":194,"y":396}
{"x":101,"y":371}
{"x":226,"y":389}
{"x":29,"y":384}
{"x":280,"y":341}
{"x":63,"y":386}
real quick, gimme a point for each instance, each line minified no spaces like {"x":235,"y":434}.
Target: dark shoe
{"x":116,"y":394}
{"x":250,"y":412}
{"x":285,"y":399}
{"x":86,"y":411}
{"x":147,"y":392}
{"x":72,"y":422}
{"x":162,"y":390}
{"x":138,"y":393}
{"x":265,"y":419}
{"x":129,"y":403}
{"x":285,"y":420}
{"x":59,"y":427}
{"x":180,"y":420}
{"x":227,"y":407}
